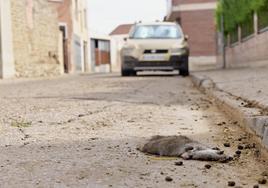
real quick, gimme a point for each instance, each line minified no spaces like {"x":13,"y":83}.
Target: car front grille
{"x":155,"y":63}
{"x":160,"y":51}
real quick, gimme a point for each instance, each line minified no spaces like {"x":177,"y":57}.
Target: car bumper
{"x":174,"y":63}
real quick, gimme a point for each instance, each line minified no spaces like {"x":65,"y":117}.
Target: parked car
{"x":157,"y":46}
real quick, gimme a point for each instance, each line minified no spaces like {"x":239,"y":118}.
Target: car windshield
{"x":157,"y":32}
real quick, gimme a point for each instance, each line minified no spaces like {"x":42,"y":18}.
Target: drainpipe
{"x":223,"y":40}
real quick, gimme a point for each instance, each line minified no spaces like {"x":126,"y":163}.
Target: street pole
{"x":223,"y":39}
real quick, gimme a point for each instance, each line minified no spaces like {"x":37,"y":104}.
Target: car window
{"x":157,"y":32}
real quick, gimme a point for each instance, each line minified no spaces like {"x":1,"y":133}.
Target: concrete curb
{"x":249,"y":118}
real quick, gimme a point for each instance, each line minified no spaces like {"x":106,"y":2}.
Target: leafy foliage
{"x":236,"y":12}
{"x":263,"y":18}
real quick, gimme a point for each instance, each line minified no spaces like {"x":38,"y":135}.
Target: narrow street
{"x":83,"y":131}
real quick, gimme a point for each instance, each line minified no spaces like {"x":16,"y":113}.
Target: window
{"x":157,"y":32}
{"x":96,"y":43}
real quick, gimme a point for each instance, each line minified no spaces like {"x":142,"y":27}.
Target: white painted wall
{"x":169,"y":8}
{"x":80,"y":27}
{"x":7,"y":67}
{"x":117,"y":42}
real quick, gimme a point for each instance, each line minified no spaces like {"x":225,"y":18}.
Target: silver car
{"x":158,"y":46}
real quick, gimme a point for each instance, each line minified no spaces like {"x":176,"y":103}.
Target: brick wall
{"x":201,"y":29}
{"x":249,"y":53}
{"x":35,"y":38}
{"x":197,"y":18}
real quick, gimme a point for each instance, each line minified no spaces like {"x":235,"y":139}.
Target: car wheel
{"x":184,"y":70}
{"x":128,"y":72}
{"x":125,"y":73}
{"x":133,"y":73}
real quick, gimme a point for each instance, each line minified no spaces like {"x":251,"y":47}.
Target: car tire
{"x":125,"y":73}
{"x":133,"y":73}
{"x":128,"y":72}
{"x":184,"y":70}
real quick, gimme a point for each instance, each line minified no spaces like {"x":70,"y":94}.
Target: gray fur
{"x":182,"y":146}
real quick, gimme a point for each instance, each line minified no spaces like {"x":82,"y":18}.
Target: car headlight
{"x":178,"y":51}
{"x":128,"y":51}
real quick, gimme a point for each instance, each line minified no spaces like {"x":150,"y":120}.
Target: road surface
{"x":83,"y":131}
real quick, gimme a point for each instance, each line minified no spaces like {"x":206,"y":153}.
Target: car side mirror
{"x":186,"y":37}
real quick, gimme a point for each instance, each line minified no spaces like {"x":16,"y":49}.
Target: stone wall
{"x":35,"y":38}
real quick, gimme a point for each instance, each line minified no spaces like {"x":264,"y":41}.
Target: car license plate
{"x":154,"y":57}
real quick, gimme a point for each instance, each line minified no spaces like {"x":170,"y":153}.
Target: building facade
{"x":100,"y":53}
{"x":72,"y":22}
{"x":35,"y":38}
{"x":43,"y":37}
{"x":117,"y":41}
{"x":29,"y":35}
{"x":197,"y":19}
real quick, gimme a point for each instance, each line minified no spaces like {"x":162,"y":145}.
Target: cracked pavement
{"x":83,"y":131}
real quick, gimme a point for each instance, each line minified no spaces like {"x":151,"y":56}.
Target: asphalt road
{"x":83,"y":131}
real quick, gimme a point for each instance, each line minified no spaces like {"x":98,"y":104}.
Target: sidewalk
{"x":242,"y":93}
{"x":249,"y":83}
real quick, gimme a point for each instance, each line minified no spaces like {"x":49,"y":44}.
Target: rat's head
{"x":205,"y":155}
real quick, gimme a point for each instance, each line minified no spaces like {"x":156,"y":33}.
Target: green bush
{"x":263,"y":18}
{"x":247,"y":27}
{"x":236,"y":12}
{"x":234,"y":36}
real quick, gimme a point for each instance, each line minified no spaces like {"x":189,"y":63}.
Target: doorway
{"x":63,"y":29}
{"x":86,"y":67}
